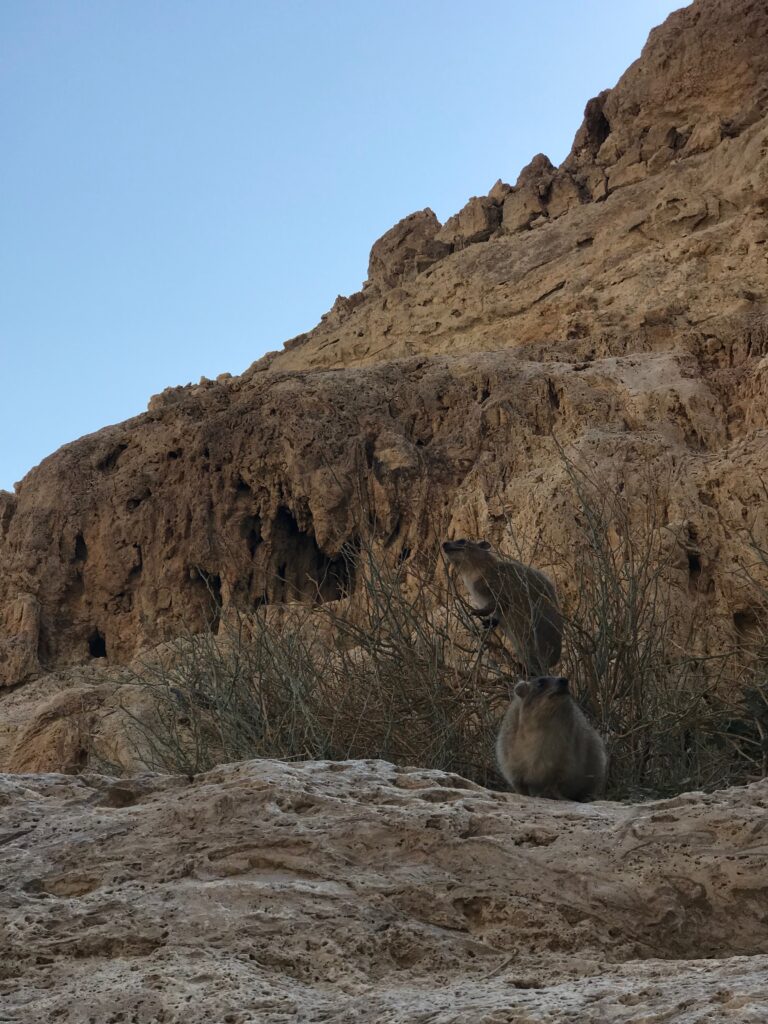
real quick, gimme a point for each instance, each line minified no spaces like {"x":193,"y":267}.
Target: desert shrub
{"x":636,"y":653}
{"x":399,"y":669}
{"x":397,"y":673}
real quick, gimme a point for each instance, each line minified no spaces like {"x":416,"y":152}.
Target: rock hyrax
{"x":517,"y":597}
{"x":546,"y":747}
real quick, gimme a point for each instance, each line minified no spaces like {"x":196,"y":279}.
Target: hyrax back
{"x":546,"y":747}
{"x":517,"y":597}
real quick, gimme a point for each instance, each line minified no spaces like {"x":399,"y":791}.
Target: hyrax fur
{"x":517,"y":597}
{"x":546,"y":747}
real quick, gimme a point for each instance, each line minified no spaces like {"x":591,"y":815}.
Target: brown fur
{"x":517,"y":597}
{"x":546,"y":747}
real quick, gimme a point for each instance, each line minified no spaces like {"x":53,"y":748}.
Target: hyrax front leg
{"x":487,"y":616}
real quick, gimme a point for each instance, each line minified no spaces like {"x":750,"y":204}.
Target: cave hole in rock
{"x":133,"y":503}
{"x":138,"y":562}
{"x":676,"y":139}
{"x":694,"y":566}
{"x":301,"y":570}
{"x":693,"y":555}
{"x":746,"y":622}
{"x":174,"y":453}
{"x":552,"y":395}
{"x":250,"y":531}
{"x":109,"y":461}
{"x":597,"y":124}
{"x":43,"y":645}
{"x":241,"y":487}
{"x":81,"y":549}
{"x":97,"y":645}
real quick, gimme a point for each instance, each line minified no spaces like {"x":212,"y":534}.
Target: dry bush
{"x":635,"y":649}
{"x":397,"y":673}
{"x":400,"y":670}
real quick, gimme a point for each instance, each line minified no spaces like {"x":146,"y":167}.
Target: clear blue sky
{"x":185,"y":184}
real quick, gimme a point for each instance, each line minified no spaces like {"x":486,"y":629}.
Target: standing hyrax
{"x":517,"y":597}
{"x":546,"y":747}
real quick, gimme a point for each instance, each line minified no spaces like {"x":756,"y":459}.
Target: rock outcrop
{"x":617,"y":303}
{"x":357,"y":891}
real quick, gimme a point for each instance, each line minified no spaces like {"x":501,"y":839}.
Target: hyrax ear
{"x":523,"y":688}
{"x":484,"y":544}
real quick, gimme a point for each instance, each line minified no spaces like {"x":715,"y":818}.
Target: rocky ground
{"x":357,"y":891}
{"x":616,"y":304}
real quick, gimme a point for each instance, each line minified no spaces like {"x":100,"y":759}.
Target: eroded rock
{"x":268,"y":891}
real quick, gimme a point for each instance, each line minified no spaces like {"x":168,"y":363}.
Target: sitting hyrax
{"x":546,"y":747}
{"x":517,"y":597}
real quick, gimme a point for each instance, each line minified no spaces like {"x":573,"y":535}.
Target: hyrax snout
{"x":546,"y":747}
{"x":517,"y":597}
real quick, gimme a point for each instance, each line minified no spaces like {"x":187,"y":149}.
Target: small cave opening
{"x":81,"y":549}
{"x":250,"y":531}
{"x":675,"y":139}
{"x":43,"y":645}
{"x":109,"y":461}
{"x":693,"y":556}
{"x":133,"y":503}
{"x":97,"y":645}
{"x":596,"y":124}
{"x":301,"y":571}
{"x":138,"y":562}
{"x":746,"y":622}
{"x":694,"y":566}
{"x":552,"y":395}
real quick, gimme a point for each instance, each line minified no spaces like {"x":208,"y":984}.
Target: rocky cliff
{"x":616,"y":304}
{"x":611,"y":312}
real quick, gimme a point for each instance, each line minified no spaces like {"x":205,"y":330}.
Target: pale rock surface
{"x":405,"y":250}
{"x":357,"y":891}
{"x":476,"y":222}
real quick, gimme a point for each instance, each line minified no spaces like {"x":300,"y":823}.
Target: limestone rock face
{"x":405,"y":250}
{"x":248,"y":493}
{"x":476,"y":222}
{"x":660,"y":205}
{"x":703,"y":73}
{"x":615,"y":305}
{"x":357,"y":891}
